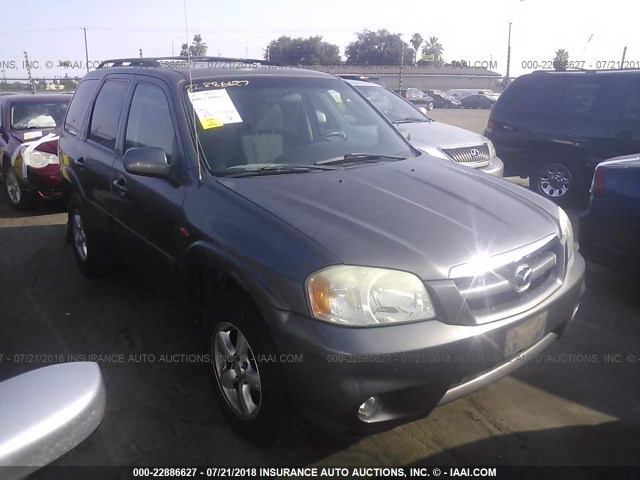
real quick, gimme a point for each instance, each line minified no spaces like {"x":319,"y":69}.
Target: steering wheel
{"x":337,"y":133}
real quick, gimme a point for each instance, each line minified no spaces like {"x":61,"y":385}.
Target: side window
{"x":580,"y":98}
{"x":106,"y":112}
{"x":150,"y":123}
{"x":79,"y":105}
{"x":631,"y":109}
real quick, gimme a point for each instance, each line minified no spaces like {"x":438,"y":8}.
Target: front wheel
{"x":247,"y":381}
{"x":19,"y":198}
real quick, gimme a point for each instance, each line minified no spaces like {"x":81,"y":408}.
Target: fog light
{"x":368,"y":408}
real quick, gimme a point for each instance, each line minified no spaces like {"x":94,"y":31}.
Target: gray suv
{"x":336,"y":274}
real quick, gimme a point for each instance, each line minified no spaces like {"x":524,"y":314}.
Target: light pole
{"x":506,"y":78}
{"x":86,"y":49}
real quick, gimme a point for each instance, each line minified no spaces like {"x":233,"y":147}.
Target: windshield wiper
{"x":279,"y":169}
{"x":410,"y":120}
{"x":358,"y":157}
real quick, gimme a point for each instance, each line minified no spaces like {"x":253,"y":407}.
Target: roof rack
{"x":156,"y":61}
{"x":589,"y":70}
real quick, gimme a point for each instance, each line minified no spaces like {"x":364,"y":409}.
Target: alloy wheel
{"x":554,"y":180}
{"x":236,"y":371}
{"x":13,"y":186}
{"x":79,"y":235}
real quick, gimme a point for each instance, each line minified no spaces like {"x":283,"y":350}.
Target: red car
{"x":29,"y":129}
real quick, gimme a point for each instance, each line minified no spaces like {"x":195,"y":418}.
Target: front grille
{"x":495,"y":294}
{"x":476,"y":156}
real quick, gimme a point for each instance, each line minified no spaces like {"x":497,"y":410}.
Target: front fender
{"x":257,"y":282}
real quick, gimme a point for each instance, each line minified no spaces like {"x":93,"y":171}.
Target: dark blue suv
{"x":555,"y":127}
{"x":338,"y":274}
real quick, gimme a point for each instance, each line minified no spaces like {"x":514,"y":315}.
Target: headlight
{"x":567,"y":231}
{"x":37,"y":159}
{"x":362,"y":296}
{"x":492,"y":148}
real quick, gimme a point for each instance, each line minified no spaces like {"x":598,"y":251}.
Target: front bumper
{"x":495,"y":167}
{"x":45,"y":182}
{"x":411,"y":368}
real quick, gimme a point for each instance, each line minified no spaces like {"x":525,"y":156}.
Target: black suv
{"x":338,"y":274}
{"x":555,"y":127}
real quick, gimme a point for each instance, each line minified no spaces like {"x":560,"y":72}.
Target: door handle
{"x":625,"y":134}
{"x":121,"y":185}
{"x":79,"y":162}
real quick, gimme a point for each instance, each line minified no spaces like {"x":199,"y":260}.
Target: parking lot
{"x":579,"y":404}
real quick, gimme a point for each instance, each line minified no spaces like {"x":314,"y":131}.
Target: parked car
{"x":46,"y":413}
{"x":478,"y":101}
{"x":442,"y":100}
{"x":555,"y":127}
{"x":435,"y":138}
{"x":416,"y":96}
{"x":610,"y":228}
{"x":460,"y":93}
{"x":29,"y":126}
{"x":326,"y":259}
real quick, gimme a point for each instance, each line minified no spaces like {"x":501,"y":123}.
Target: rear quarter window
{"x":106,"y":112}
{"x":79,"y":106}
{"x":573,"y":96}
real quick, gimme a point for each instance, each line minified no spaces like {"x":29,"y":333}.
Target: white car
{"x":435,"y":138}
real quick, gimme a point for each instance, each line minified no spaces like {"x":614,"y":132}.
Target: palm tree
{"x":184,"y":50}
{"x":561,"y":60}
{"x":433,"y":47}
{"x":198,"y":48}
{"x":416,"y":41}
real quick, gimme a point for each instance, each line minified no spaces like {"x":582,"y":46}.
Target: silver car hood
{"x":425,"y":135}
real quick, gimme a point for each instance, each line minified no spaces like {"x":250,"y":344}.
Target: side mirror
{"x":147,"y":161}
{"x":46,"y":413}
{"x":423,"y":110}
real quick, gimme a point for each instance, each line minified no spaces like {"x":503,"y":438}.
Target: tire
{"x":19,"y":198}
{"x":261,"y":414}
{"x":92,"y":255}
{"x":559,"y":181}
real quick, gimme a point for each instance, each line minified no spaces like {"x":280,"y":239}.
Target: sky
{"x":477,"y":31}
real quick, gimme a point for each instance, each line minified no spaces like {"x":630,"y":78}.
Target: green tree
{"x":433,"y":47}
{"x":302,"y":51}
{"x":378,"y":48}
{"x":561,"y":60}
{"x":416,"y":42}
{"x":68,"y":83}
{"x":197,"y":48}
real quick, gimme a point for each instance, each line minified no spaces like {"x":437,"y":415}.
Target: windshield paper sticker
{"x":31,"y":135}
{"x":214,"y":108}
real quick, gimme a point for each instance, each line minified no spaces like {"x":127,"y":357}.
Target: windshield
{"x":391,"y":105}
{"x":251,"y":123}
{"x":46,"y":114}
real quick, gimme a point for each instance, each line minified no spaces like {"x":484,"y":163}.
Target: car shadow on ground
{"x":548,"y":448}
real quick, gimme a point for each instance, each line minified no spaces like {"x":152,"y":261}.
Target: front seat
{"x":266,"y":144}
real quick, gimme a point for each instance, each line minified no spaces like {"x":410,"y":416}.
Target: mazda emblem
{"x":523,"y":278}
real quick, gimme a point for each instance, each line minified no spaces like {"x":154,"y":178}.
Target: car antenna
{"x":195,"y":126}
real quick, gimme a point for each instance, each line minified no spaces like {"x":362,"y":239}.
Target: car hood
{"x":424,"y":135}
{"x":413,"y":215}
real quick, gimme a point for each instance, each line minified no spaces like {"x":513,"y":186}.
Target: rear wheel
{"x":91,"y":253}
{"x":247,"y":382}
{"x":558,"y":181}
{"x":19,"y":198}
